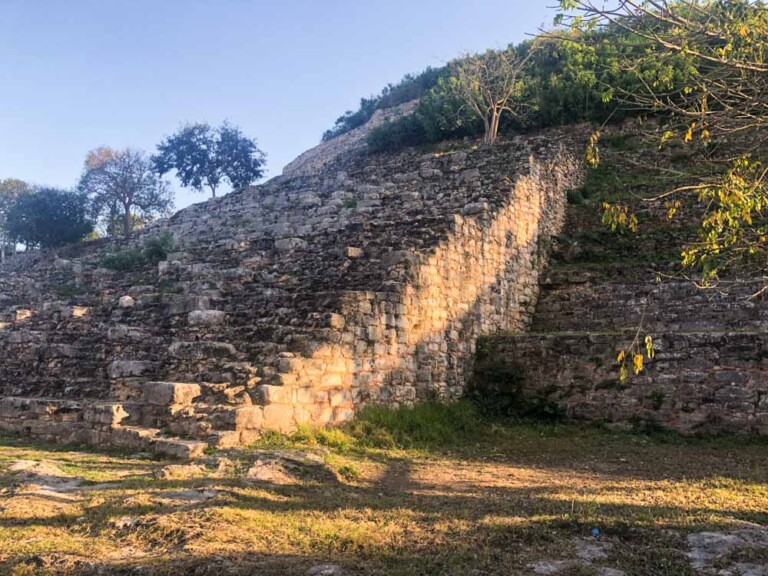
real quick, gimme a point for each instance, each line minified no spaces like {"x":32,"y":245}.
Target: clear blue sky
{"x":77,"y":74}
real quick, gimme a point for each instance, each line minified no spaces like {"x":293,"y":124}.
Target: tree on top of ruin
{"x":206,"y":157}
{"x":492,"y":84}
{"x":11,"y":190}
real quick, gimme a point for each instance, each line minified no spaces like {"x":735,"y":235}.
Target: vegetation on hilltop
{"x":48,"y":217}
{"x":205,"y":157}
{"x":123,"y":188}
{"x":698,"y":67}
{"x":719,"y":101}
{"x":567,"y":77}
{"x":409,"y":88}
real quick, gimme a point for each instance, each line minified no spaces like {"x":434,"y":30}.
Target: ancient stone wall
{"x":708,"y":374}
{"x":292,"y":302}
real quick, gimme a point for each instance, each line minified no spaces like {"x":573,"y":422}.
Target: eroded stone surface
{"x":719,"y":552}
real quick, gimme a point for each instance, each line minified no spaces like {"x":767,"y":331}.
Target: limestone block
{"x":201,"y":350}
{"x":353,"y":252}
{"x":170,"y":393}
{"x":23,"y":314}
{"x":80,"y":311}
{"x":343,"y":414}
{"x":339,"y":397}
{"x":183,"y":304}
{"x":279,"y":417}
{"x":290,"y":244}
{"x":474,"y":208}
{"x":181,"y":449}
{"x":471,"y":175}
{"x":128,"y":368}
{"x":249,"y":417}
{"x":267,"y":394}
{"x":223,"y":439}
{"x":397,"y":257}
{"x":206,"y":317}
{"x":105,"y":413}
{"x":124,"y":332}
{"x":126,"y":302}
{"x":306,"y":395}
{"x":24,"y":337}
{"x":132,"y":437}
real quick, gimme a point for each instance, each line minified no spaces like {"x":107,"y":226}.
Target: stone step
{"x":160,"y":393}
{"x":202,"y":350}
{"x":181,"y":449}
{"x":659,"y":307}
{"x":206,"y":318}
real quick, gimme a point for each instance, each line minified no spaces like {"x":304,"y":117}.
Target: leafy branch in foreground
{"x":735,"y":225}
{"x":632,"y":356}
{"x":702,"y":67}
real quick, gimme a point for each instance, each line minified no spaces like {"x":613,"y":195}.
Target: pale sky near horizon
{"x":78,"y":74}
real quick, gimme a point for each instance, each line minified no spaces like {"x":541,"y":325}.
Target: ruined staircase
{"x":286,"y":304}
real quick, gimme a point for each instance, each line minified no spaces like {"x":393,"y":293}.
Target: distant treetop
{"x":204,"y":157}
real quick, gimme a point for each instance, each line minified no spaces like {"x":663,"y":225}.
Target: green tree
{"x":492,"y":84}
{"x":11,"y":190}
{"x":122,"y":185}
{"x":203,"y":156}
{"x":49,"y":217}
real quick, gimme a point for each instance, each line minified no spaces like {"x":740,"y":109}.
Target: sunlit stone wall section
{"x":417,"y":340}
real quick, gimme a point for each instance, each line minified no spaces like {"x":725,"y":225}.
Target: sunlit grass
{"x":483,"y":496}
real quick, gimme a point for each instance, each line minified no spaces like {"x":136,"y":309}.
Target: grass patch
{"x":492,"y":499}
{"x":69,"y":290}
{"x":423,"y":425}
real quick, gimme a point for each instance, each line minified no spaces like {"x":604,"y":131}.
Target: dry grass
{"x":492,"y":502}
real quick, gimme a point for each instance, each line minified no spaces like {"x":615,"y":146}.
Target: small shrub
{"x":422,"y":425}
{"x":123,"y":260}
{"x":157,"y":249}
{"x":169,"y":287}
{"x":496,"y":387}
{"x":154,"y":250}
{"x":575,"y":197}
{"x":349,"y":471}
{"x":657,"y":399}
{"x":335,"y":438}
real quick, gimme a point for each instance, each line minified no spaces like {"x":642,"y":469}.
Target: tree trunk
{"x":487,"y":126}
{"x":494,"y":126}
{"x":213,"y":191}
{"x":127,"y":221}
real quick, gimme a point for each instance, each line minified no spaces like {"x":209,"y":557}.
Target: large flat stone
{"x":170,"y":393}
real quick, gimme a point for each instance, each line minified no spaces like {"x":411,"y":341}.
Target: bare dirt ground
{"x":512,"y":500}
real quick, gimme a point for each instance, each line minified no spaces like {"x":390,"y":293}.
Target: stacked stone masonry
{"x":293,"y":302}
{"x":709,"y":374}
